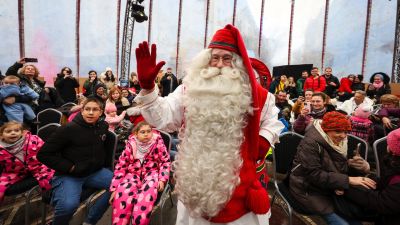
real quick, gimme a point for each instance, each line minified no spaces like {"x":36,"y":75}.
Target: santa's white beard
{"x":209,"y":160}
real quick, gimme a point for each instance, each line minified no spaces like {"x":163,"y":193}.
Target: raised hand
{"x":147,"y":68}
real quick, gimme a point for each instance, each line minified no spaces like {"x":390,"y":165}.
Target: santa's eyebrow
{"x":225,"y":55}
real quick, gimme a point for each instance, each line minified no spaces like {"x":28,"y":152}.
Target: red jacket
{"x":345,"y":85}
{"x":315,"y":84}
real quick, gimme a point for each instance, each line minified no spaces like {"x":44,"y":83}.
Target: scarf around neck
{"x":15,"y":148}
{"x":341,"y":148}
{"x":140,"y":149}
{"x":318,"y":114}
{"x":378,"y":84}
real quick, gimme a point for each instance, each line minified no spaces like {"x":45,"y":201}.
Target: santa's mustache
{"x":227,"y":71}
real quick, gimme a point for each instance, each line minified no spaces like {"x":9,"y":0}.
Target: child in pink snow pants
{"x":142,"y":171}
{"x":18,"y":151}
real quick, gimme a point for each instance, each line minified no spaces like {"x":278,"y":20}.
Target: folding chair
{"x":380,"y":149}
{"x":48,"y":116}
{"x":47,"y":130}
{"x":352,"y":142}
{"x":168,"y":189}
{"x":28,"y":187}
{"x":283,"y":155}
{"x":68,"y":105}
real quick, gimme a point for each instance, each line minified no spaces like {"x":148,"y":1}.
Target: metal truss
{"x":127,"y":42}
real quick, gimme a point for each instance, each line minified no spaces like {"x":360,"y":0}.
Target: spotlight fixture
{"x":138,"y":12}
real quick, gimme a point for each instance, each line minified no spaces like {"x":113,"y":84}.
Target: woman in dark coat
{"x":90,"y":83}
{"x":379,"y":86}
{"x":66,"y":85}
{"x":320,"y":167}
{"x":385,"y":200}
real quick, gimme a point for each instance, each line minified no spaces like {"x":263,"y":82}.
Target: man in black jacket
{"x":332,"y":83}
{"x":168,"y":82}
{"x":77,"y":153}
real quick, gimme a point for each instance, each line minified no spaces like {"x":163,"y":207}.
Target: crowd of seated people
{"x":324,"y":179}
{"x":74,"y":153}
{"x":319,"y":102}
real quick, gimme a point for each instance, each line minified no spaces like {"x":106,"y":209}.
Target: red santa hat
{"x":263,"y":72}
{"x":249,"y":195}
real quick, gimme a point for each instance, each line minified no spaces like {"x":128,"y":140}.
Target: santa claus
{"x":226,"y":123}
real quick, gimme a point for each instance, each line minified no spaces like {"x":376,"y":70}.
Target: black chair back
{"x":352,"y":142}
{"x":166,"y":138}
{"x":285,"y":151}
{"x":48,"y":116}
{"x":380,"y":149}
{"x":283,"y":155}
{"x":111,"y":146}
{"x":65,"y":109}
{"x":46,"y":131}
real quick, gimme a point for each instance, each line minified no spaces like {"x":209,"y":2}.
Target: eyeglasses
{"x":226,"y":59}
{"x":88,"y":109}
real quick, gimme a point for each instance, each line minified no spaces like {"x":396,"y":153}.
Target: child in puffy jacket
{"x":142,"y":171}
{"x":12,"y":87}
{"x":18,"y":151}
{"x":361,"y":126}
{"x":112,"y":118}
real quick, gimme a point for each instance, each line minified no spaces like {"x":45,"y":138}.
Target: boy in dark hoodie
{"x":77,"y":153}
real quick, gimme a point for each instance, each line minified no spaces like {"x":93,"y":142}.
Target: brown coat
{"x":317,"y":171}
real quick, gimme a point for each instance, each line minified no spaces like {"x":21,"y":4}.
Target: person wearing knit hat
{"x":112,"y":118}
{"x":393,"y":142}
{"x":384,"y":201}
{"x":108,"y":78}
{"x":227,"y":123}
{"x":321,"y":166}
{"x":361,"y":126}
{"x":100,"y":92}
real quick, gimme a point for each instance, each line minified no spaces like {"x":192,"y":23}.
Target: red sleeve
{"x":306,"y":85}
{"x":263,"y":147}
{"x":322,"y":84}
{"x":345,"y":85}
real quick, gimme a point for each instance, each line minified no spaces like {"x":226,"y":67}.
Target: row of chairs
{"x":48,"y":121}
{"x":284,"y":153}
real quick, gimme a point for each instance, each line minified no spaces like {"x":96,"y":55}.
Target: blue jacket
{"x":15,"y":91}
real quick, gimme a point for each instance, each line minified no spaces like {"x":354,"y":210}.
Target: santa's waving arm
{"x":163,"y":113}
{"x":270,"y":126}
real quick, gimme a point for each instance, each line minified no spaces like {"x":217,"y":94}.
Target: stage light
{"x":138,"y":12}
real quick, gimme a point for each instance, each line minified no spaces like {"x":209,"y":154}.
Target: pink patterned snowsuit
{"x":15,"y":170}
{"x":135,"y":183}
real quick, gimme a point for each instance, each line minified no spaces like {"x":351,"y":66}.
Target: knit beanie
{"x":99,"y":85}
{"x":110,"y":107}
{"x":335,"y":121}
{"x":393,"y":142}
{"x":363,"y":111}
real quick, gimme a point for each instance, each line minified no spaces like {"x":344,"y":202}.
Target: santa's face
{"x":220,"y":58}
